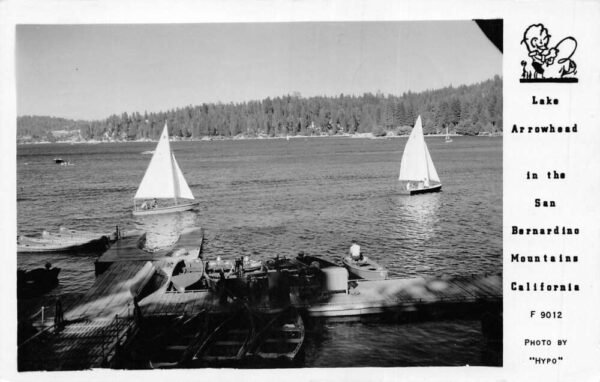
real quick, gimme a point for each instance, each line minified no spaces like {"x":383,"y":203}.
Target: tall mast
{"x":173,"y":169}
{"x":175,"y":180}
{"x":425,"y":156}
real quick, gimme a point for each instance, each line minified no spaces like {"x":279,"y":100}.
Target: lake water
{"x":278,"y":197}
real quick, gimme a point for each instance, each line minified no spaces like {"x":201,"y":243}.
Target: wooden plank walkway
{"x":92,"y":329}
{"x":174,"y":303}
{"x":130,"y":248}
{"x":112,"y":292}
{"x":78,"y":346}
{"x":367,"y":297}
{"x":381,"y":296}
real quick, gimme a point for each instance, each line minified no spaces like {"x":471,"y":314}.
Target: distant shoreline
{"x":248,"y":138}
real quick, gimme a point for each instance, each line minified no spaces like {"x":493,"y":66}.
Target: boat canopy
{"x":416,"y":164}
{"x":163,"y":178}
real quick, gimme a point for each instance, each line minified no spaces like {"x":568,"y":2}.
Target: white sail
{"x":433,"y":175}
{"x":163,"y":178}
{"x":416,"y":164}
{"x":181,"y":186}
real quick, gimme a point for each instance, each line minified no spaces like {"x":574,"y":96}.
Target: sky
{"x":93,"y":71}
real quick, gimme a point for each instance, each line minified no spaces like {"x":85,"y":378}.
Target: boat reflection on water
{"x":163,"y":230}
{"x":417,"y":216}
{"x":416,"y":226}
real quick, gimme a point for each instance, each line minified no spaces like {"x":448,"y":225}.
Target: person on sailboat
{"x":154,"y":203}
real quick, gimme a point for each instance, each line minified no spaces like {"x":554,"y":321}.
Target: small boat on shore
{"x":163,"y":181}
{"x":281,"y":339}
{"x":417,"y":172}
{"x":65,"y":240}
{"x":365,"y":269}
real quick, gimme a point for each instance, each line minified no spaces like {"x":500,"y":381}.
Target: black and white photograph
{"x":261,"y":195}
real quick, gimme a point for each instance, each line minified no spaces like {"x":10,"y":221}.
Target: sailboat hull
{"x":424,"y":190}
{"x":166,"y":210}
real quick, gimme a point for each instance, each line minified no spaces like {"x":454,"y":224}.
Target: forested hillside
{"x":468,"y":110}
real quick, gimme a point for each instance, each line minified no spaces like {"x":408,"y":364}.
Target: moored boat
{"x":187,"y":275}
{"x":281,"y":338}
{"x":365,"y":268}
{"x":321,"y":261}
{"x":214,"y":268}
{"x":36,"y":281}
{"x":229,"y":341}
{"x":65,"y":240}
{"x":168,"y":344}
{"x":251,"y":265}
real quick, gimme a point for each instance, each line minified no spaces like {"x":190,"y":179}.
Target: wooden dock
{"x":79,"y":345}
{"x":102,"y":320}
{"x":405,"y":295}
{"x":130,"y":283}
{"x":112,"y":292}
{"x":130,"y":249}
{"x":366,"y":297}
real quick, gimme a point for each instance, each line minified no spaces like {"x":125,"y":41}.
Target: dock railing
{"x":42,"y":316}
{"x":114,"y":335}
{"x":44,"y":325}
{"x":120,"y":329}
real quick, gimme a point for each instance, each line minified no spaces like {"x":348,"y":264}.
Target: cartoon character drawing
{"x":545,"y":61}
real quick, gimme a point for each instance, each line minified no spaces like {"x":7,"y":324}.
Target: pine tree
{"x":467,"y":109}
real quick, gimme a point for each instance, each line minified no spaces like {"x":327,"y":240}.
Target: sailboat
{"x":448,"y":139}
{"x":164,"y":182}
{"x":417,"y":172}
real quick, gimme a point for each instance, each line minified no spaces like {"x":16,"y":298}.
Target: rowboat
{"x":281,"y":338}
{"x":187,"y":274}
{"x":229,"y":341}
{"x":163,"y":181}
{"x":65,"y":240}
{"x":173,"y":346}
{"x":365,"y":269}
{"x":417,"y":172}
